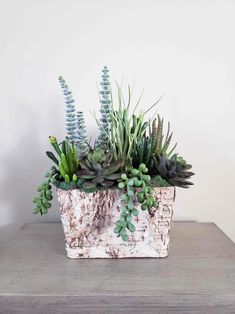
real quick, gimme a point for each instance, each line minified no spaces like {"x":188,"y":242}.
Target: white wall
{"x":182,"y":49}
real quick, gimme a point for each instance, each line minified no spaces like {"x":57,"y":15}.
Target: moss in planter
{"x":65,"y":185}
{"x":158,"y":181}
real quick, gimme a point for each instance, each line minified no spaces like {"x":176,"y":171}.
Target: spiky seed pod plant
{"x":81,"y":136}
{"x":105,"y":103}
{"x":70,"y":110}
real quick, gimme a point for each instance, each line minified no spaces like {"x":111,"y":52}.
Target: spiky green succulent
{"x":174,"y":170}
{"x":98,"y":169}
{"x":160,"y":143}
{"x":153,"y":143}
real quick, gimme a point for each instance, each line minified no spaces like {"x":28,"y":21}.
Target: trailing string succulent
{"x":98,"y":170}
{"x":136,"y":187}
{"x":44,"y":198}
{"x":131,"y":153}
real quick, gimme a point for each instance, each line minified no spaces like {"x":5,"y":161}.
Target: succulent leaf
{"x":52,"y":157}
{"x":113,"y":167}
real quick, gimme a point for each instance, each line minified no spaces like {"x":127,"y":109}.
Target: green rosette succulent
{"x":98,"y":170}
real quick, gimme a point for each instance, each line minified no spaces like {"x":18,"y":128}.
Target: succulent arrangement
{"x":130,"y":153}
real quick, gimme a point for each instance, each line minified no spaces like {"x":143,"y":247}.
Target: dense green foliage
{"x":158,"y":181}
{"x":130,"y":152}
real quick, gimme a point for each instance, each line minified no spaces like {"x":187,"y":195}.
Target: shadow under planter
{"x":89,"y":218}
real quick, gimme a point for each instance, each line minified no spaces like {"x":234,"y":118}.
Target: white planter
{"x":89,"y":219}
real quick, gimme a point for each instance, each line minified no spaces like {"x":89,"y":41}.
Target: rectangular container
{"x":89,"y":219}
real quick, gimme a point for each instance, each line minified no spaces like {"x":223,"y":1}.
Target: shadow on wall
{"x":24,"y":167}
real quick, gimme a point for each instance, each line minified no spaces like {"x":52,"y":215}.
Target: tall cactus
{"x":81,"y":136}
{"x":70,"y":110}
{"x":105,"y":101}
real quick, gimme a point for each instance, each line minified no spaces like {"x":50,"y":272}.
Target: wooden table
{"x":197,"y":277}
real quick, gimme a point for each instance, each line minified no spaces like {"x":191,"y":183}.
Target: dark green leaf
{"x":52,"y":157}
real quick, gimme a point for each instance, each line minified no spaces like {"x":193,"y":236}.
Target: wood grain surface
{"x":198,"y":276}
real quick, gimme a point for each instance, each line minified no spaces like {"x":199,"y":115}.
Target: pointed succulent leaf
{"x":86,"y":174}
{"x":98,"y":179}
{"x":162,"y":170}
{"x":96,"y":166}
{"x":113,"y":176}
{"x":52,"y":157}
{"x":114,"y":167}
{"x":107,"y":183}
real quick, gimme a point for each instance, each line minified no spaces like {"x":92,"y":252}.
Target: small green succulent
{"x":98,"y":170}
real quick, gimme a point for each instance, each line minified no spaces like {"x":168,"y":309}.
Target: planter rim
{"x":116,"y":188}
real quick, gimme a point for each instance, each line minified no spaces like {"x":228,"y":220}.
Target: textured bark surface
{"x":89,"y":218}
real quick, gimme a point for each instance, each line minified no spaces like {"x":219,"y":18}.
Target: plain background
{"x":182,"y":49}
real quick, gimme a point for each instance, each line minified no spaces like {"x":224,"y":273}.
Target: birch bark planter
{"x":89,"y":218}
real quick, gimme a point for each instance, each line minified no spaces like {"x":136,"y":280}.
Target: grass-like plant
{"x":127,"y":128}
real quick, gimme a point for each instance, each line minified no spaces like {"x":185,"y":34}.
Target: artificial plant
{"x":131,"y":153}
